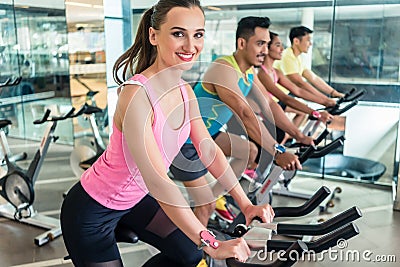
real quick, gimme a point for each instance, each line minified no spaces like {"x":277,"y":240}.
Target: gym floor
{"x":379,"y":227}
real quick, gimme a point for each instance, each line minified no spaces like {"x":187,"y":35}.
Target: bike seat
{"x":92,"y":93}
{"x":125,"y":234}
{"x":91,"y":109}
{"x":4,"y":123}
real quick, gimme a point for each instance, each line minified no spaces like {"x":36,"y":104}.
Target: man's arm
{"x":223,"y":79}
{"x":299,"y":92}
{"x":297,"y":79}
{"x":320,"y":84}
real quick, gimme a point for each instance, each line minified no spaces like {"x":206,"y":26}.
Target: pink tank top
{"x":273,"y":73}
{"x":114,"y":179}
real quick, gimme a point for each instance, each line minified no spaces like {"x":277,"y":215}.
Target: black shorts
{"x":88,"y":231}
{"x":187,"y":165}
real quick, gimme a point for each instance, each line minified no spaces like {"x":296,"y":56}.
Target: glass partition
{"x":33,"y":46}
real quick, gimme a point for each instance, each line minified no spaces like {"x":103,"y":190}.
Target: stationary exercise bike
{"x":101,"y":115}
{"x":84,"y":153}
{"x":16,"y":157}
{"x":17,"y":186}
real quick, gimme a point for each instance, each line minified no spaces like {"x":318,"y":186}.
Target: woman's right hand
{"x":235,"y":248}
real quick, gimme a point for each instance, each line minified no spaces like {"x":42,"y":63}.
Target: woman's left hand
{"x":265,"y":212}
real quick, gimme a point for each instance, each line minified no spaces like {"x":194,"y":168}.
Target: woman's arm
{"x":214,"y":159}
{"x":135,"y":113}
{"x":269,"y":84}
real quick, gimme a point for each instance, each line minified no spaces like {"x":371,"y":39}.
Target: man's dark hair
{"x":246,"y":26}
{"x":298,"y":32}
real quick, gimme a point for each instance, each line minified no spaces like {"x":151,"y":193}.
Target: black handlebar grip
{"x":307,"y":153}
{"x":339,"y":111}
{"x":332,"y":239}
{"x":322,"y":243}
{"x":328,"y":148}
{"x":44,"y":118}
{"x":306,"y":208}
{"x":6,"y":83}
{"x":355,"y":96}
{"x":91,"y":109}
{"x":322,"y":228}
{"x":68,"y":115}
{"x":321,"y":137}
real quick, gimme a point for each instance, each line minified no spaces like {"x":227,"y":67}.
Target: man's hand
{"x":304,"y":139}
{"x":325,"y":117}
{"x":288,"y":161}
{"x":330,"y":102}
{"x":336,"y":94}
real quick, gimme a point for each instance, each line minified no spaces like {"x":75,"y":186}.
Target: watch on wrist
{"x":279,"y":149}
{"x":315,"y":114}
{"x":208,"y":240}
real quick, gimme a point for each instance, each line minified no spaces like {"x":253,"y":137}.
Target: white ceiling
{"x":76,"y":13}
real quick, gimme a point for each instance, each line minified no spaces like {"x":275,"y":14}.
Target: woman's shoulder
{"x":189,"y":90}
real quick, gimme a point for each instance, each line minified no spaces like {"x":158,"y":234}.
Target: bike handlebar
{"x":352,"y":96}
{"x":298,"y":211}
{"x":305,"y":208}
{"x":322,"y":152}
{"x":46,"y":117}
{"x":322,"y":243}
{"x":9,"y":83}
{"x":330,"y":225}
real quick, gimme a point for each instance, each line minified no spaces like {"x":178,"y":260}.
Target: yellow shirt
{"x":289,"y":64}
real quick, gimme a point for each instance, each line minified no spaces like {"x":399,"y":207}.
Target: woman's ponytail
{"x":142,"y":51}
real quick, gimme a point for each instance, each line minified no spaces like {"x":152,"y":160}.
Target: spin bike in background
{"x":85,"y":154}
{"x":17,"y":157}
{"x":17,"y":185}
{"x":285,"y":177}
{"x":101,"y":116}
{"x":349,"y":100}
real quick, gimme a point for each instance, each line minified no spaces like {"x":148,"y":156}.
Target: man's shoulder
{"x":226,"y":60}
{"x":288,"y":52}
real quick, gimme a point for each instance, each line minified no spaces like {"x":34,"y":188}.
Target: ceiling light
{"x":214,"y":8}
{"x":78,"y":4}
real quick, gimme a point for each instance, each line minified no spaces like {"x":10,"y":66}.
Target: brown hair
{"x":142,"y":51}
